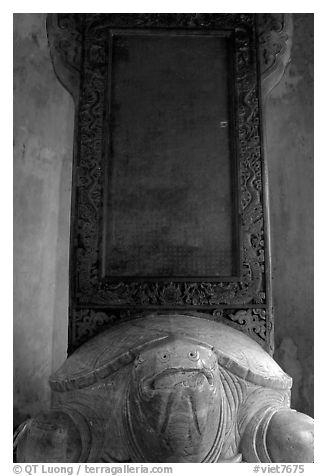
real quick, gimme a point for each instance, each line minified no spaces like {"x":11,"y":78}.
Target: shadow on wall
{"x":290,"y":162}
{"x":43,"y":140}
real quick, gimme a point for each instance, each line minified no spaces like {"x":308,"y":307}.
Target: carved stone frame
{"x":79,"y":49}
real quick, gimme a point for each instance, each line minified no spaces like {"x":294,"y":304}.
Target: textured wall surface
{"x":289,"y":125}
{"x":43,"y":133}
{"x":43,"y":138}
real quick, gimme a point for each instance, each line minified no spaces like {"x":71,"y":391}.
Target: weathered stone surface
{"x":50,"y":437}
{"x":290,"y":437}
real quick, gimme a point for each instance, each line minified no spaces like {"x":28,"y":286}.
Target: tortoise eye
{"x":164,"y":356}
{"x":193,"y":355}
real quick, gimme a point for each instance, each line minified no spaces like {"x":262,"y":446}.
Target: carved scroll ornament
{"x":89,"y":322}
{"x":275,"y":33}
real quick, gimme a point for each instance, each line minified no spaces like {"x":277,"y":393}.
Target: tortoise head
{"x":174,"y":402}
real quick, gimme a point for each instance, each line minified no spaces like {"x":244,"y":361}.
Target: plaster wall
{"x":289,"y":129}
{"x":43,"y":135}
{"x":43,"y":139}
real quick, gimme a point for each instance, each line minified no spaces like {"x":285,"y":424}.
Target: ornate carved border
{"x":91,"y":288}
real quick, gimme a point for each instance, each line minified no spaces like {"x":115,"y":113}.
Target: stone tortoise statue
{"x":168,"y":388}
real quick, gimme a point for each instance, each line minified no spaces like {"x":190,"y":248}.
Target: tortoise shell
{"x":119,"y":346}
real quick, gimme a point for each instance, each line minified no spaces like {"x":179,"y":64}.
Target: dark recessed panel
{"x":169,"y":165}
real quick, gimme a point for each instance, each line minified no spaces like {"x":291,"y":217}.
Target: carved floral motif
{"x":169,"y":20}
{"x":254,"y":322}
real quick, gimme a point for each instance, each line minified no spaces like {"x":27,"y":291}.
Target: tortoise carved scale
{"x":169,"y":388}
